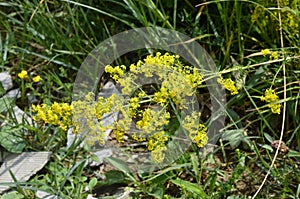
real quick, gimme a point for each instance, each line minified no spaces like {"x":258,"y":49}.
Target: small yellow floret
{"x":36,"y":78}
{"x":271,"y":97}
{"x":158,"y":154}
{"x":265,"y":52}
{"x":274,"y":56}
{"x":22,"y":74}
{"x":228,"y":85}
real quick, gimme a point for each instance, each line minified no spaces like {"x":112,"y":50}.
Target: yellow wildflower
{"x":139,"y":137}
{"x":158,"y":154}
{"x":22,"y":74}
{"x":58,"y":114}
{"x":36,"y":78}
{"x":199,"y":137}
{"x":161,"y":96}
{"x":119,"y":135}
{"x":157,"y":140}
{"x":197,"y":132}
{"x":274,"y":56}
{"x":145,"y":121}
{"x":134,"y":105}
{"x":115,"y":72}
{"x":228,"y":85}
{"x":194,"y":78}
{"x":265,"y":52}
{"x":272,"y":99}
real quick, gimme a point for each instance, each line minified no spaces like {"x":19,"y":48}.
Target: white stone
{"x":23,"y":166}
{"x":5,"y":79}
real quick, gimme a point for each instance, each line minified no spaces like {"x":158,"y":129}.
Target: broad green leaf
{"x":121,"y":165}
{"x":235,"y":117}
{"x":191,"y":187}
{"x":12,"y":195}
{"x":233,"y":136}
{"x":113,"y":177}
{"x":11,"y":139}
{"x":157,"y":191}
{"x":92,"y":183}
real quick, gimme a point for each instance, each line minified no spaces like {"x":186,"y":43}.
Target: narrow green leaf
{"x":293,"y":153}
{"x":2,"y":90}
{"x":268,"y":147}
{"x":268,"y":137}
{"x":4,"y":104}
{"x":195,"y":163}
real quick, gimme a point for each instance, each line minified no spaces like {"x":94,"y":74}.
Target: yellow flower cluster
{"x":88,"y":113}
{"x":56,"y":114}
{"x":123,"y":124}
{"x":177,"y":82}
{"x":103,"y":105}
{"x":85,"y":119}
{"x":265,"y":52}
{"x":157,"y":141}
{"x":271,"y":97}
{"x":273,"y":55}
{"x":195,"y":78}
{"x":153,"y":120}
{"x":191,"y":74}
{"x":134,"y":105}
{"x":197,"y":131}
{"x":162,"y":96}
{"x":150,"y":113}
{"x":175,"y":88}
{"x":229,"y":85}
{"x":160,"y":64}
{"x":119,"y":133}
{"x":166,"y":59}
{"x":115,"y":72}
{"x":158,"y":154}
{"x":83,"y":115}
{"x":23,"y":74}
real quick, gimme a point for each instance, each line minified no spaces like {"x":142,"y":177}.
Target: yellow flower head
{"x":36,"y":78}
{"x":22,"y":74}
{"x":274,"y":56}
{"x":228,"y":84}
{"x":265,"y":52}
{"x":158,"y":154}
{"x":270,"y":96}
{"x":272,"y":99}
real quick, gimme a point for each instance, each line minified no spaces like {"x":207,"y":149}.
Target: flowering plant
{"x":146,"y":113}
{"x":149,"y":110}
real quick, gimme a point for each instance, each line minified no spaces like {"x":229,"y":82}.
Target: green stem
{"x":23,"y":91}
